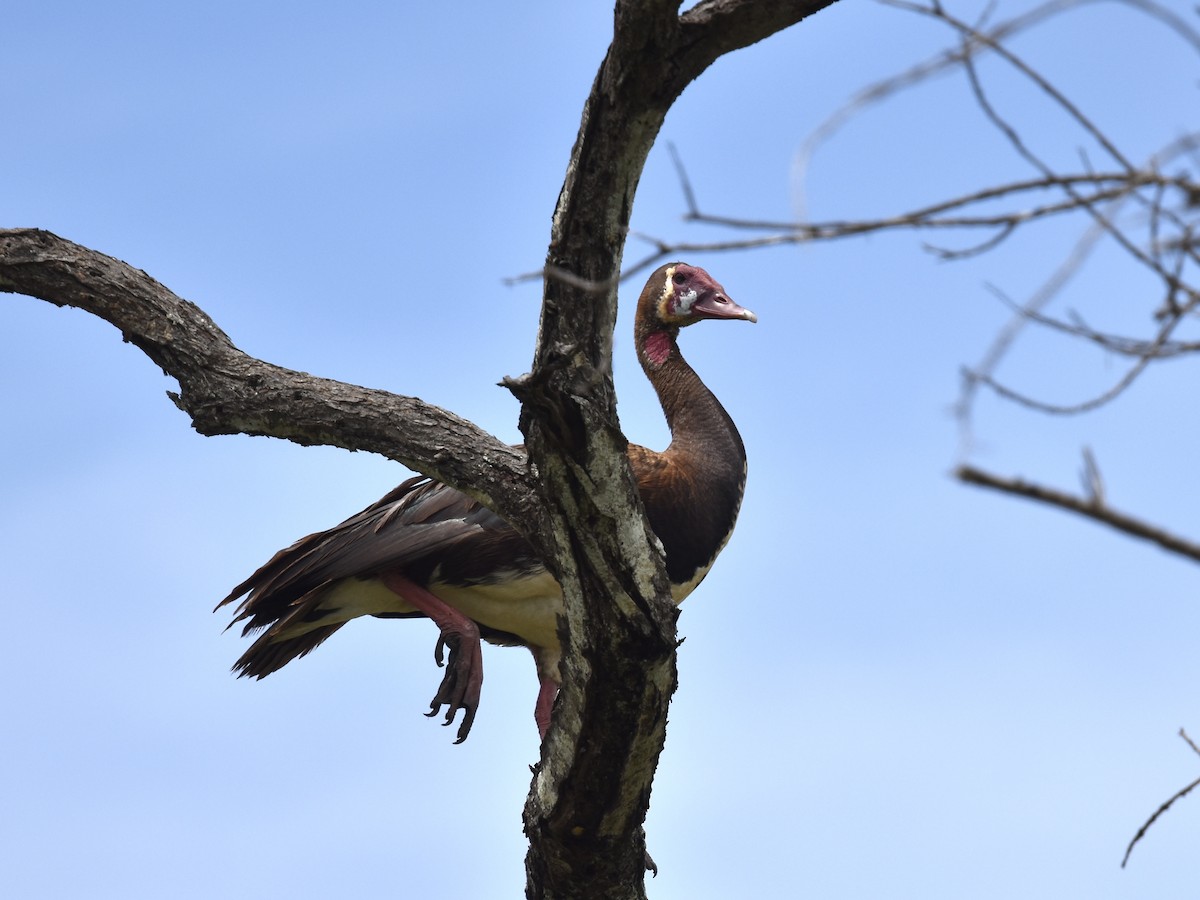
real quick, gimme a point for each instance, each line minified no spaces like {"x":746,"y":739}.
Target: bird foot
{"x":464,"y":670}
{"x":463,"y":680}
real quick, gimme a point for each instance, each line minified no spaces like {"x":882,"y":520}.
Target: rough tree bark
{"x":573,"y":494}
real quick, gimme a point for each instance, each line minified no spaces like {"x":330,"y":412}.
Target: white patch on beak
{"x":684,"y":306}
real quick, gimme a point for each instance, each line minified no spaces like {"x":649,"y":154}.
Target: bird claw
{"x":437,"y":651}
{"x":461,"y":684}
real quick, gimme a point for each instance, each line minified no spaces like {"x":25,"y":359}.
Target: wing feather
{"x":411,"y":528}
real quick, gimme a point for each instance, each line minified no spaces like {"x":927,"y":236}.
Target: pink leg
{"x":464,"y":676}
{"x":545,"y":705}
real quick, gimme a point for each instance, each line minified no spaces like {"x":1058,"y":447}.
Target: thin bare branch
{"x":1115,"y":343}
{"x":1178,"y":795}
{"x":947,"y":255}
{"x":1107,"y":187}
{"x":1093,"y":482}
{"x":1063,"y":409}
{"x":1014,"y":138}
{"x":1083,"y":506}
{"x":685,"y":183}
{"x":971,"y":36}
{"x":1183,"y":734}
{"x":1113,"y":188}
{"x":886,"y":88}
{"x":947,"y":60}
{"x":1152,"y":351}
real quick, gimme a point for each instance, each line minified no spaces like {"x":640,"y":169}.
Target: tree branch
{"x":1092,"y":508}
{"x":226,"y":391}
{"x":1167,"y":804}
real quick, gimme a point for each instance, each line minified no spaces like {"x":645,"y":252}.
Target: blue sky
{"x":892,"y":685}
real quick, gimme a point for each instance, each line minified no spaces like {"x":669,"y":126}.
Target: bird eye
{"x":679,"y":278}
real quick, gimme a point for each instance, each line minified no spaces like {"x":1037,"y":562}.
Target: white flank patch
{"x":526,"y":606}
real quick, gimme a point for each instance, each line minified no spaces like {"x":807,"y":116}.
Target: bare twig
{"x":568,"y":278}
{"x":1178,"y":795}
{"x":1084,"y":506}
{"x":1115,"y":343}
{"x":689,"y":195}
{"x":1183,"y":734}
{"x":1008,"y":334}
{"x":970,"y":35}
{"x":915,"y":75}
{"x":1093,"y":482}
{"x":1152,"y":352}
{"x":949,"y":59}
{"x":1107,"y":187}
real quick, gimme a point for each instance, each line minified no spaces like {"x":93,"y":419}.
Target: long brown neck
{"x":692,"y":501}
{"x":701,"y":430}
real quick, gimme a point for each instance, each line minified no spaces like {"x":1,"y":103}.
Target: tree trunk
{"x":591,"y":790}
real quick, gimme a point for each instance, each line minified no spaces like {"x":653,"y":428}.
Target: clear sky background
{"x":892,"y":685}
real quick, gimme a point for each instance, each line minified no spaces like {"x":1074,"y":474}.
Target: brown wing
{"x":415,"y":527}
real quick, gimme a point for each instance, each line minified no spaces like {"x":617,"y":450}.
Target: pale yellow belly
{"x":527,"y":607}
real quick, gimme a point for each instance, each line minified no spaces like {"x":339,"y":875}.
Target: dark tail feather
{"x":269,"y":653}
